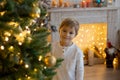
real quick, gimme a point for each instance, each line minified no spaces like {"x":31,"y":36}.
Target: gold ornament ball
{"x":34,"y":15}
{"x":50,"y":61}
{"x":35,"y":12}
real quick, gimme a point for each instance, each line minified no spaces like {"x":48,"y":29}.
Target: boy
{"x":72,"y":68}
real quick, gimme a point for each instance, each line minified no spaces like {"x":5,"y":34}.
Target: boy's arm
{"x":80,"y":67}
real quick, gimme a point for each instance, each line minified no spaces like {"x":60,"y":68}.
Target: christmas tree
{"x":23,"y":42}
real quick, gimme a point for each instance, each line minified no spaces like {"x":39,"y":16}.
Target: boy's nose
{"x":67,"y":34}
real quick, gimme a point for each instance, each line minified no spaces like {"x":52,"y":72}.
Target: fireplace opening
{"x":93,"y":37}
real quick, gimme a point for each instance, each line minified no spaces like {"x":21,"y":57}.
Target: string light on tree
{"x":40,"y":58}
{"x":20,"y":43}
{"x":26,"y":66}
{"x":2,"y":47}
{"x":7,"y":33}
{"x":2,"y":13}
{"x":35,"y":70}
{"x":6,"y":39}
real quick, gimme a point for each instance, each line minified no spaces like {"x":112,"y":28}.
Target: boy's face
{"x":67,"y":34}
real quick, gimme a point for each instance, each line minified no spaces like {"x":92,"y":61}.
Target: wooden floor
{"x":100,"y":72}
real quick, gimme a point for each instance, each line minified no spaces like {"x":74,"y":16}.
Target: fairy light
{"x":35,"y":70}
{"x":2,"y":47}
{"x":7,"y":34}
{"x":28,"y":77}
{"x":115,"y":61}
{"x":35,"y":29}
{"x":21,"y":34}
{"x":26,"y":27}
{"x":6,"y":39}
{"x":21,"y":61}
{"x":20,"y":43}
{"x":45,"y":67}
{"x":42,"y":24}
{"x":13,"y":23}
{"x":19,"y":79}
{"x":2,"y":13}
{"x":26,"y":66}
{"x":33,"y":21}
{"x":18,"y":53}
{"x":28,"y":31}
{"x":40,"y":58}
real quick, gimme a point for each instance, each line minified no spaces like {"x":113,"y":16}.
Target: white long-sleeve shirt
{"x":72,"y":68}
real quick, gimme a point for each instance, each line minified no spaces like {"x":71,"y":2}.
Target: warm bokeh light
{"x":26,"y":66}
{"x":40,"y":58}
{"x":92,"y":36}
{"x":2,"y":47}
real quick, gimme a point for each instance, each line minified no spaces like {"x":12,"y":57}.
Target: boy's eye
{"x":64,"y":30}
{"x":71,"y":32}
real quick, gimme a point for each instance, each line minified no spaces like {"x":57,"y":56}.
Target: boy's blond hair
{"x":70,"y":22}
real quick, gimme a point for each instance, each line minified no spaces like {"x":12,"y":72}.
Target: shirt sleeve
{"x":80,"y":66}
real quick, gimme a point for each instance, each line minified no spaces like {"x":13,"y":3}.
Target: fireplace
{"x":104,"y":20}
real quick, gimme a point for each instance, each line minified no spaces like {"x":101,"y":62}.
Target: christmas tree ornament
{"x":50,"y":61}
{"x":35,"y":12}
{"x":11,"y":48}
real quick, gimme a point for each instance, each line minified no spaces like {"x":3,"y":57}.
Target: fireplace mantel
{"x":108,"y":15}
{"x":81,"y":9}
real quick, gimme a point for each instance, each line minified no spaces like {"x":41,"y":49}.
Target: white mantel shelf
{"x":81,"y":9}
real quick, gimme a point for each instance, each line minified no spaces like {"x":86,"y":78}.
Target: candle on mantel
{"x":66,"y":4}
{"x":60,"y":3}
{"x":84,"y":4}
{"x":54,"y":3}
{"x":89,"y":3}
